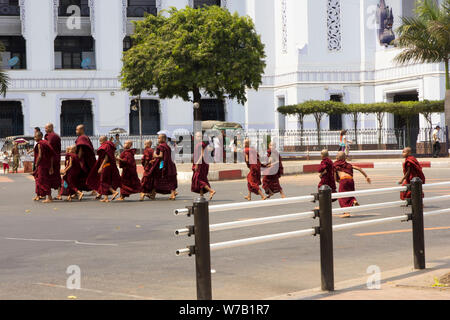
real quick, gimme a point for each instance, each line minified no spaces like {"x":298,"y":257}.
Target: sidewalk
{"x":399,"y":284}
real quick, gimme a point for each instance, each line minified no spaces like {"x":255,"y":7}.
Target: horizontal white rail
{"x":435,"y":185}
{"x":371,"y":206}
{"x":433,"y":213}
{"x":352,"y":225}
{"x":251,"y":204}
{"x":262,"y":239}
{"x":183,"y":252}
{"x":434,"y":199}
{"x":367,"y":192}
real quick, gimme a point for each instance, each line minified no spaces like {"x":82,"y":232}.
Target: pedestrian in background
{"x":16,"y":157}
{"x":436,"y":142}
{"x":5,"y":160}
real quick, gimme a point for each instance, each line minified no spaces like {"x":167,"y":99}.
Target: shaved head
{"x":49,"y":127}
{"x":324,"y":153}
{"x":406,"y":152}
{"x":80,"y":130}
{"x":128,"y":144}
{"x":103,"y":139}
{"x":148,"y":143}
{"x":341,"y":155}
{"x":38,"y":136}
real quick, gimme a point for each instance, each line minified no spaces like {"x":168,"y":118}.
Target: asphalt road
{"x":127,"y":250}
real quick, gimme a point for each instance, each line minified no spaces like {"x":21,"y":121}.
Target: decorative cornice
{"x":124,"y":16}
{"x":23,"y":17}
{"x":92,"y":16}
{"x":55,"y":17}
{"x":284,"y":40}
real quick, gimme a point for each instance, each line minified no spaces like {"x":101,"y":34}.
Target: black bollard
{"x":326,"y":238}
{"x":202,"y":249}
{"x":417,"y":223}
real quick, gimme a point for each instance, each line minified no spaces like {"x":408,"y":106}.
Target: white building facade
{"x":65,"y":70}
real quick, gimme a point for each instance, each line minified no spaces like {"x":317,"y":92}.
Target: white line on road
{"x":95,"y":291}
{"x":58,"y":240}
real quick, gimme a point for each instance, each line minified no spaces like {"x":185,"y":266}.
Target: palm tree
{"x":426,"y":36}
{"x":4,"y":79}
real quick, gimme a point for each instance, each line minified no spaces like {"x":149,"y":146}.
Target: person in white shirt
{"x":436,"y":142}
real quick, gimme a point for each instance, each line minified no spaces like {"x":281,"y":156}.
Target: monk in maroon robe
{"x":254,"y":176}
{"x":130,"y":182}
{"x":104,"y":176}
{"x":147,"y":178}
{"x":200,"y":168}
{"x":164,"y":170}
{"x":411,"y":170}
{"x":273,"y":172}
{"x":44,"y":155}
{"x":86,"y":156}
{"x":326,"y":172}
{"x":344,"y":175}
{"x":55,"y":141}
{"x":71,"y":174}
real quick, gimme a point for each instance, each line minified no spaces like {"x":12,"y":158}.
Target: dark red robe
{"x":165,"y":178}
{"x":147,"y":178}
{"x":345,"y":185}
{"x":87,"y":160}
{"x":254,"y":176}
{"x":55,"y":141}
{"x":130,"y":182}
{"x":328,"y":178}
{"x":72,"y":177}
{"x":110,"y":176}
{"x":42,"y":177}
{"x":272,"y":175}
{"x":415,"y":171}
{"x":200,"y":175}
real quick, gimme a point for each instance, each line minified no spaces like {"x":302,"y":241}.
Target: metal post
{"x":202,"y":249}
{"x":417,"y":223}
{"x":326,"y":238}
{"x":140,"y":124}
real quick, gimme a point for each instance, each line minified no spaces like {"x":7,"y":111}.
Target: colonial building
{"x":64,"y":58}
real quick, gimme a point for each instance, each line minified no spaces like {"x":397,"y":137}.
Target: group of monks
{"x":100,"y":175}
{"x":84,"y":172}
{"x":342,"y":171}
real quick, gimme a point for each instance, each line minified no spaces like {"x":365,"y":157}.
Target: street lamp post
{"x":140,"y":123}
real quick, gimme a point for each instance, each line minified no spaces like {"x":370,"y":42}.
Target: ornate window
{"x":284,"y":26}
{"x":334,"y":25}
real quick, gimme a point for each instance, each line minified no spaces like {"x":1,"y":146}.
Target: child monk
{"x":130,"y":182}
{"x":273,"y":172}
{"x":411,"y":170}
{"x":254,"y":176}
{"x":326,"y":171}
{"x":71,"y":174}
{"x":147,"y":180}
{"x":200,"y":168}
{"x":344,"y":175}
{"x":44,"y":155}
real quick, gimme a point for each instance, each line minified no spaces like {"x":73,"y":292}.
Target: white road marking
{"x":58,"y":240}
{"x":95,"y":291}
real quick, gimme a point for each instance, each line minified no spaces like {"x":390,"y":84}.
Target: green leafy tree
{"x":194,"y":50}
{"x":426,"y":36}
{"x":4,"y":79}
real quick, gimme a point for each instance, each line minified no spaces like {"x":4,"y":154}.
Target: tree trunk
{"x":318,"y":120}
{"x":447,"y":76}
{"x":355,"y":126}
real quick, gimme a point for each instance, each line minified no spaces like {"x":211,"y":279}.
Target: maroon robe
{"x":328,"y":178}
{"x":55,"y":141}
{"x":42,"y":177}
{"x":345,"y":185}
{"x":254,"y":176}
{"x":165,"y":179}
{"x":130,"y":182}
{"x":147,"y":178}
{"x":271,"y":179}
{"x":415,"y":170}
{"x":200,"y":175}
{"x":110,"y":176}
{"x":72,"y":176}
{"x":87,"y":161}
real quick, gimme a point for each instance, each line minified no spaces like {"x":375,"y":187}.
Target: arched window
{"x":73,"y":113}
{"x":201,"y":3}
{"x":137,"y":8}
{"x":11,"y":118}
{"x":151,"y":122}
{"x":74,"y":53}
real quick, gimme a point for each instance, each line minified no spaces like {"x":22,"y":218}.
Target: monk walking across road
{"x":254,"y":176}
{"x":326,"y":171}
{"x":71,"y":174}
{"x":130,"y":182}
{"x":147,"y":179}
{"x":55,"y":141}
{"x":44,"y":155}
{"x":200,"y":168}
{"x":104,"y":176}
{"x":411,"y":170}
{"x":273,"y":172}
{"x":344,"y":175}
{"x":86,"y":156}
